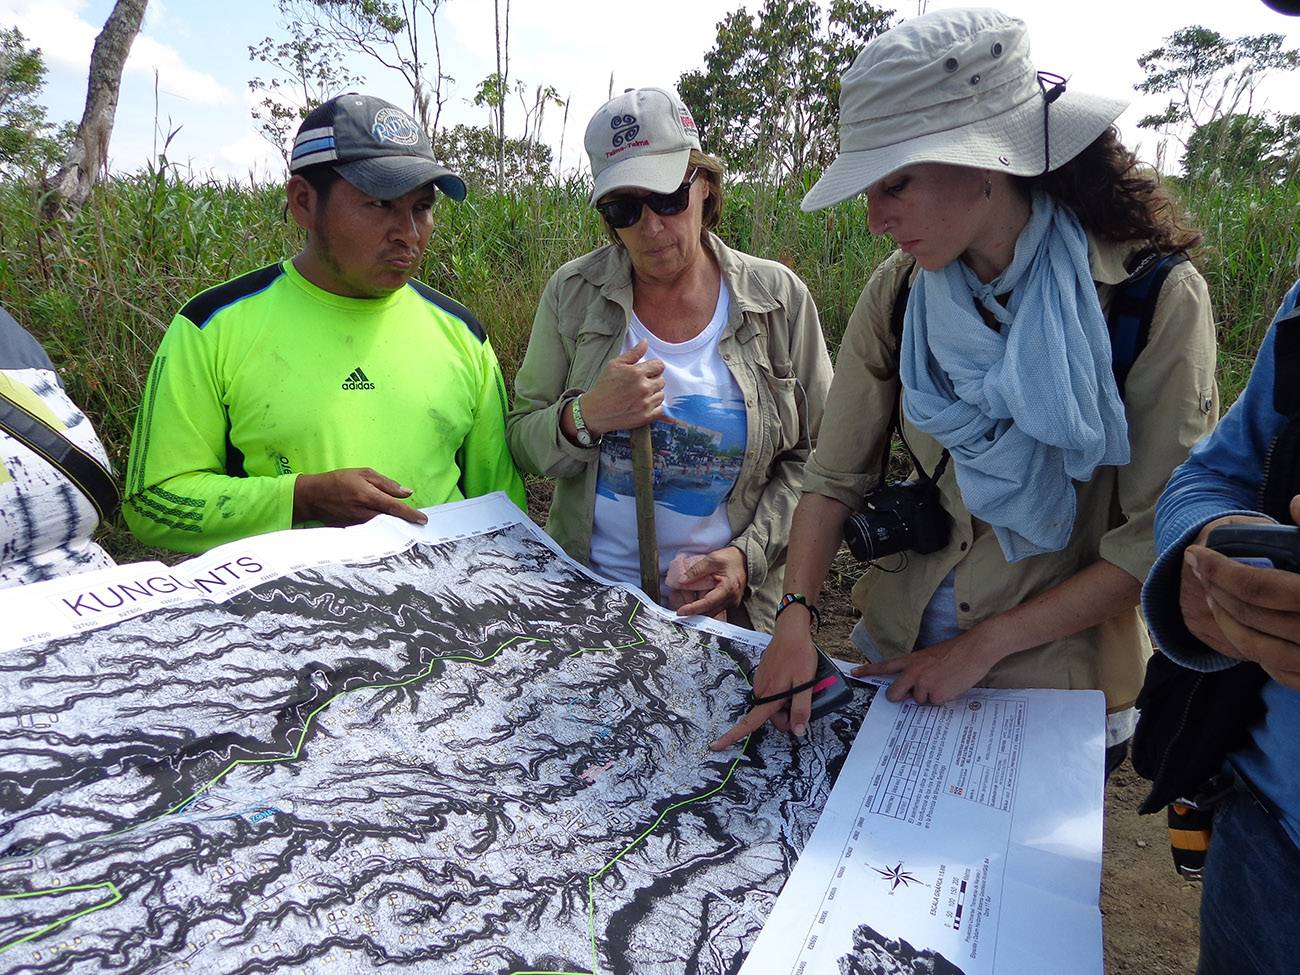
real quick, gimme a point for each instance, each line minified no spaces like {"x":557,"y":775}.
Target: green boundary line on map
{"x":115,"y":895}
{"x":297,"y":750}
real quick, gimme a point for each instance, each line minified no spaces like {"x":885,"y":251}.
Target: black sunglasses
{"x":624,"y":211}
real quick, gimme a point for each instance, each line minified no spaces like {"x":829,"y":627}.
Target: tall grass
{"x":100,"y":292}
{"x":1251,"y":257}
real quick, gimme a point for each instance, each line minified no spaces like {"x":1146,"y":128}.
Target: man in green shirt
{"x":330,"y":387}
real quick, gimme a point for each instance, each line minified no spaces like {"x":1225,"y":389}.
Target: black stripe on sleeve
{"x":452,"y":307}
{"x":200,"y":309}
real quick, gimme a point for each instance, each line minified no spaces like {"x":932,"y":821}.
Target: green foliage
{"x":1211,"y":78}
{"x":29,"y":143}
{"x":491,"y":91}
{"x":1265,"y":145}
{"x":144,"y":244}
{"x":470,"y":151}
{"x":398,"y":35}
{"x":307,"y":71}
{"x":767,"y":99}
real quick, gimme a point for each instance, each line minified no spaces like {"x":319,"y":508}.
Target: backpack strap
{"x":899,"y":311}
{"x":896,"y":315}
{"x":1132,"y":306}
{"x":75,"y":464}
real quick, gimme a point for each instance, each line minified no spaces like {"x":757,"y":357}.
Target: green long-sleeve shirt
{"x":267,"y":376}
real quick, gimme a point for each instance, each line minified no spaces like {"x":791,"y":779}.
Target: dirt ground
{"x":1149,"y":913}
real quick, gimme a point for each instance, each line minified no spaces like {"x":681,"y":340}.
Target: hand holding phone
{"x":1259,"y":545}
{"x":1241,"y":612}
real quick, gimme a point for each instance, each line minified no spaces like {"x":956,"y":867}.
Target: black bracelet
{"x":797,"y":689}
{"x":789,"y":599}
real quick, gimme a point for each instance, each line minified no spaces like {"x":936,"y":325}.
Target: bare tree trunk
{"x":68,"y":190}
{"x":503,"y":80}
{"x":501,"y":99}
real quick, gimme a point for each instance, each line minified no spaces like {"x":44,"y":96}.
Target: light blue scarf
{"x":1027,"y":410}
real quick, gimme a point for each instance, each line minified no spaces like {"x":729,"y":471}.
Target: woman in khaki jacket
{"x":1017,"y":212}
{"x":722,"y":353}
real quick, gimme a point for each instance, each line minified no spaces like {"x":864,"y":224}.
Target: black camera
{"x":898,"y":517}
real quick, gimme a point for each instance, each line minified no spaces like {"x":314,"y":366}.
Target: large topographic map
{"x":445,"y":749}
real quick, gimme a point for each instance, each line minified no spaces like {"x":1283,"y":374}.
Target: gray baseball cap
{"x":374,"y":145}
{"x":641,"y":139}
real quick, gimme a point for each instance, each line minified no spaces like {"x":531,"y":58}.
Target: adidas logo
{"x":357,"y":380}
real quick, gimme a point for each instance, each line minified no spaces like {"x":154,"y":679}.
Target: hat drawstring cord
{"x":1049,"y":95}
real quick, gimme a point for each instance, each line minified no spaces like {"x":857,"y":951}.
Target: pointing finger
{"x":746,"y":726}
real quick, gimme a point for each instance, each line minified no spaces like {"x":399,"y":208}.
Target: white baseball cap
{"x":641,"y":139}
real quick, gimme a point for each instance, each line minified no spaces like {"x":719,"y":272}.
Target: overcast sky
{"x":198,"y":50}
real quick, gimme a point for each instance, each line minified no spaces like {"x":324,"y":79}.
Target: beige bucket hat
{"x":955,"y":86}
{"x":641,"y":139}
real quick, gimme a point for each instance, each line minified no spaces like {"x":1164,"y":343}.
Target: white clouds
{"x":200,"y":51}
{"x":579,"y":46}
{"x":65,"y":37}
{"x":174,"y":76}
{"x":250,"y":156}
{"x":56,"y":27}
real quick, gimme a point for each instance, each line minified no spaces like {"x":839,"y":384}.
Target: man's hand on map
{"x":789,"y":660}
{"x":349,"y":497}
{"x":1243,"y":612}
{"x":936,"y":674}
{"x":627,"y":394}
{"x":708,"y":585}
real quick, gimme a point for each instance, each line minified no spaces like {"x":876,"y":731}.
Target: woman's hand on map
{"x":708,"y":585}
{"x":789,"y":660}
{"x":627,"y":394}
{"x":938,"y":673}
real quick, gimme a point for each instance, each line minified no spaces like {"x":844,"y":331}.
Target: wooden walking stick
{"x":643,"y":479}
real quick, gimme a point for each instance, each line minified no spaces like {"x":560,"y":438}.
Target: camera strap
{"x":896,"y":414}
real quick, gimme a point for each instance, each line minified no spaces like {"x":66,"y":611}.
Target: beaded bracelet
{"x":789,"y":599}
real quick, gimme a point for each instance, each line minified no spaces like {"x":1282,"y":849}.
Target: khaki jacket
{"x":1171,"y":401}
{"x":772,"y":344}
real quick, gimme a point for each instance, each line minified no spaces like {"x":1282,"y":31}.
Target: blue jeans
{"x":1251,"y":875}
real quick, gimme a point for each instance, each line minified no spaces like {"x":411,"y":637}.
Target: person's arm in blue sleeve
{"x":1221,"y":477}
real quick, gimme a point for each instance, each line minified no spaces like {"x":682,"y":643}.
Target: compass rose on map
{"x":896,"y":876}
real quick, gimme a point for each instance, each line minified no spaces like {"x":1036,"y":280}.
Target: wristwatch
{"x":581,"y":432}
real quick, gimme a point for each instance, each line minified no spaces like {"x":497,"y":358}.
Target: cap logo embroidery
{"x":625,"y":128}
{"x":395,"y":126}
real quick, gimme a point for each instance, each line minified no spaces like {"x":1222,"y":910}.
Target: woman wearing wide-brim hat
{"x":1018,"y":214}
